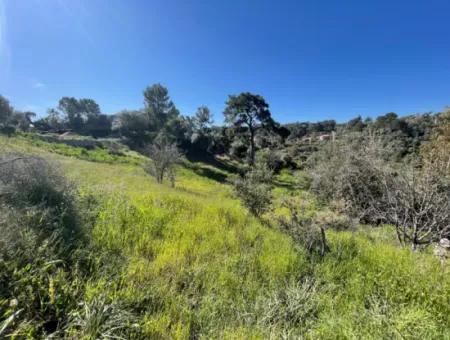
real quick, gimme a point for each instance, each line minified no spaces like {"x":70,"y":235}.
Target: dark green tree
{"x":133,"y":127}
{"x":22,"y":120}
{"x":249,"y":112}
{"x":201,"y":136}
{"x":203,"y":119}
{"x":356,"y":124}
{"x":6,"y":110}
{"x":52,"y":122}
{"x":162,"y":114}
{"x":98,"y":125}
{"x":78,"y":111}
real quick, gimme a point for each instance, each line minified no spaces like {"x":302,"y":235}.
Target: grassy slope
{"x":193,"y":262}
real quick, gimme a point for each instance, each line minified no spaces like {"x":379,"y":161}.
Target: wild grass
{"x":28,"y":143}
{"x":190,"y":262}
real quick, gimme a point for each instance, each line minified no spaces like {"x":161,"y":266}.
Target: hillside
{"x":190,"y":262}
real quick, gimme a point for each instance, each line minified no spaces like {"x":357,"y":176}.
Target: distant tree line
{"x":11,"y":119}
{"x":249,"y":126}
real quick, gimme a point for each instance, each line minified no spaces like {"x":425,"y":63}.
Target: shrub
{"x":417,"y":203}
{"x":238,"y":149}
{"x":37,"y":191}
{"x":304,"y":226}
{"x":414,"y":197}
{"x":7,"y":130}
{"x":254,"y":189}
{"x":350,"y":171}
{"x":40,"y":235}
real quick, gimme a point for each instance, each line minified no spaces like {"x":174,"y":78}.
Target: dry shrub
{"x":414,"y":196}
{"x":308,"y":226}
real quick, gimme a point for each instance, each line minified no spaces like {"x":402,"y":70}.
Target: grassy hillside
{"x":190,"y":262}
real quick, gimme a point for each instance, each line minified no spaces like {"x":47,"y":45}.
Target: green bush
{"x":254,"y":189}
{"x":41,"y":232}
{"x":36,"y":190}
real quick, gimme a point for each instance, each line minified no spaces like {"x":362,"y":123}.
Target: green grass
{"x":190,"y":262}
{"x":29,"y":143}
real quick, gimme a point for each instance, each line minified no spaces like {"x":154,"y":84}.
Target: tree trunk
{"x":324,"y":245}
{"x":252,"y":146}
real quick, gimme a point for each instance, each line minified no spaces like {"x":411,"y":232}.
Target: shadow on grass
{"x":217,"y":170}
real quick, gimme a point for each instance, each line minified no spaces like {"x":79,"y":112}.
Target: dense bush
{"x":307,"y":225}
{"x":254,"y":189}
{"x":349,"y":170}
{"x":35,"y":188}
{"x":414,"y":196}
{"x":41,"y":232}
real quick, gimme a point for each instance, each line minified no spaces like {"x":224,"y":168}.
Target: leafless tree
{"x":164,"y":156}
{"x":417,"y":202}
{"x":414,"y":196}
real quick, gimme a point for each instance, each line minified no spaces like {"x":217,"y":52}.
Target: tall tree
{"x":251,"y":112}
{"x":133,"y":126}
{"x":201,"y":128}
{"x":22,"y":120}
{"x":6,"y":110}
{"x":161,"y":111}
{"x":203,"y":119}
{"x":78,"y":111}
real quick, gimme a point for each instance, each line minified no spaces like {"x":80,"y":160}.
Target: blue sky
{"x":311,"y":60}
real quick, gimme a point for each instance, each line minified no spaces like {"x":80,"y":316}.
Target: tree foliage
{"x":251,"y":112}
{"x":163,"y":116}
{"x":6,"y":110}
{"x":78,"y":111}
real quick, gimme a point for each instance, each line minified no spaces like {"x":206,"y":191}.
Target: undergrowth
{"x":190,"y":262}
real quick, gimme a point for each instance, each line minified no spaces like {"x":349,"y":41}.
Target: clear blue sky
{"x":310,"y":59}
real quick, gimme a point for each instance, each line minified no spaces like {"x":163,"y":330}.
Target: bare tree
{"x":414,"y":197}
{"x":417,"y":203}
{"x":349,"y":171}
{"x":164,"y":155}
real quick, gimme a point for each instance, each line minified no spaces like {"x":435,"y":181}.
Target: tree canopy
{"x":6,"y":110}
{"x":251,"y":112}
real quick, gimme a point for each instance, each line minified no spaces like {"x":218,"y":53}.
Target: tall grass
{"x":190,"y":262}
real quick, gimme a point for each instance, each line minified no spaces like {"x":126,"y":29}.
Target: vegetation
{"x":164,"y":156}
{"x":255,"y":189}
{"x":413,"y":197}
{"x":323,"y":235}
{"x":250,"y":111}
